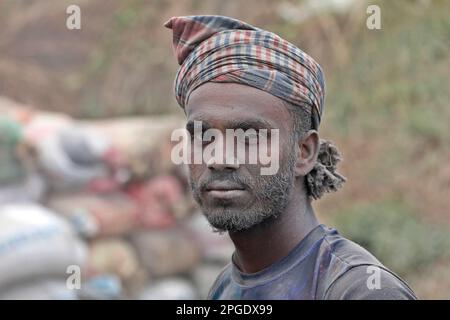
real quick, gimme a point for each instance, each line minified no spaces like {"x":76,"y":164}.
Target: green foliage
{"x":126,"y":18}
{"x":394,"y":234}
{"x":397,"y":76}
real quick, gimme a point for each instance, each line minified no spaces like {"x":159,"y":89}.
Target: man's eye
{"x":198,"y":136}
{"x":251,"y":138}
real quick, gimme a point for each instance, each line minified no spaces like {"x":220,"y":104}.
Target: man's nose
{"x":227,"y":162}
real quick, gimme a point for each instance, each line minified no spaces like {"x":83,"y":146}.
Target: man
{"x":236,"y":76}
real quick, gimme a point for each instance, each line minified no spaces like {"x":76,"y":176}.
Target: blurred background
{"x":85,"y":122}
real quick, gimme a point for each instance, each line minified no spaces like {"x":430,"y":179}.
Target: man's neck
{"x":267,"y":243}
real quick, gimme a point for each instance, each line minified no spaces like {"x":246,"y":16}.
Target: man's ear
{"x":308,"y":151}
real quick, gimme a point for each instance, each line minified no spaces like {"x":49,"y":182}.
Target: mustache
{"x":228,"y":177}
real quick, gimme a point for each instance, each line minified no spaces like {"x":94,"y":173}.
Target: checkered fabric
{"x":222,"y":49}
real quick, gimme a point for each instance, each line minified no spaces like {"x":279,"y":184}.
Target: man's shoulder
{"x":220,"y":283}
{"x":369,"y":282}
{"x":345,"y":251}
{"x":355,"y":273}
{"x":338,"y":269}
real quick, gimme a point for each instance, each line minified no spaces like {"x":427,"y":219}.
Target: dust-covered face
{"x":234,"y":195}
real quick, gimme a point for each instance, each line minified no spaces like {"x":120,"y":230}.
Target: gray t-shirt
{"x":323,"y":266}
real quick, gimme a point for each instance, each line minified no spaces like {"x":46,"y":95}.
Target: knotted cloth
{"x":222,"y":49}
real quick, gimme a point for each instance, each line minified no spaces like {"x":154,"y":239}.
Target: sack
{"x":215,"y":247}
{"x":61,"y":171}
{"x":143,"y":141}
{"x":31,"y":189}
{"x":166,"y":252}
{"x":11,"y":169}
{"x":169,"y":289}
{"x":102,"y":287}
{"x":44,"y":289}
{"x":112,"y":256}
{"x":35,"y":242}
{"x":95,"y":215}
{"x":70,"y":155}
{"x":156,"y":200}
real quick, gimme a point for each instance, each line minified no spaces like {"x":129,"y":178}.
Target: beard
{"x":268,"y":197}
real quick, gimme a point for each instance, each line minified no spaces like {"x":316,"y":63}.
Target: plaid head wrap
{"x":221,"y":49}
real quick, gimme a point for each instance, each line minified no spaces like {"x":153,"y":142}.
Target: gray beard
{"x":271,"y":199}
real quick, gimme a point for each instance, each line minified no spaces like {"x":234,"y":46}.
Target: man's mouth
{"x":224,"y":190}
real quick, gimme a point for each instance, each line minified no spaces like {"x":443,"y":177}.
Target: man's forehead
{"x":227,"y":122}
{"x":230,"y":102}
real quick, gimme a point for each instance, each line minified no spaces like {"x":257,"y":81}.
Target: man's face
{"x":236,"y":196}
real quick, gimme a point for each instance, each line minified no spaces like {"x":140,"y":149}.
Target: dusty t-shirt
{"x":324,"y":265}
